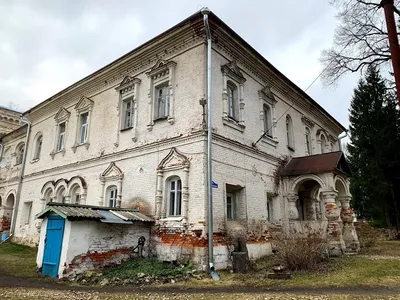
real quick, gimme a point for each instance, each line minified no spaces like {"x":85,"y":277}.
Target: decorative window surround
{"x":112,"y":176}
{"x":19,"y":153}
{"x":37,"y":148}
{"x":128,"y":91}
{"x":162,"y":73}
{"x":62,"y":116}
{"x":84,"y":106}
{"x":175,"y":164}
{"x":231,"y":72}
{"x":267,"y":98}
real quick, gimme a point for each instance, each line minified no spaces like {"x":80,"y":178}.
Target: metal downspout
{"x":205,"y":11}
{"x":21,"y":174}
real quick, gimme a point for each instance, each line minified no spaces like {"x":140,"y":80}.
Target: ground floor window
{"x":112,"y":196}
{"x":175,"y":196}
{"x":229,"y":206}
{"x":270,"y":208}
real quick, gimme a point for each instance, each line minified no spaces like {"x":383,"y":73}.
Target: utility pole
{"x":388,"y":7}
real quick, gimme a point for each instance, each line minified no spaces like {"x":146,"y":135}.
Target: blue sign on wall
{"x":214,"y":185}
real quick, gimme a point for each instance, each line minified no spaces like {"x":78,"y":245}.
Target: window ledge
{"x":126,"y":129}
{"x":35,"y":160}
{"x":290,"y":148}
{"x":161,"y":119}
{"x":233,"y":124}
{"x":76,"y":145}
{"x":270,"y":141}
{"x":54,"y":152}
{"x":172,"y":218}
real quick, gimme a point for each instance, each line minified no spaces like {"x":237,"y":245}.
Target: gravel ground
{"x":39,"y":294}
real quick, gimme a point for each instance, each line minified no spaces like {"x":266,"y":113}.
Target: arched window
{"x":48,"y":196}
{"x":20,"y":153}
{"x":233,"y":107}
{"x":289,"y":132}
{"x":61,"y":195}
{"x":174,"y":196}
{"x":308,"y":141}
{"x":323,"y":144}
{"x":75,"y":194}
{"x":1,"y":202}
{"x":267,"y":120}
{"x":112,"y":196}
{"x":38,"y":147}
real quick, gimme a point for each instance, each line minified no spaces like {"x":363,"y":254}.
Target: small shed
{"x":77,"y":238}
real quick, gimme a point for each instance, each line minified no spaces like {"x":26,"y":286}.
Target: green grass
{"x":153,"y":267}
{"x":388,"y":248}
{"x":18,"y":260}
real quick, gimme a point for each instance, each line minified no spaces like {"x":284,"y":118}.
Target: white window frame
{"x":289,"y":132}
{"x":19,"y":154}
{"x":84,"y":128}
{"x":175,"y":197}
{"x":61,"y":136}
{"x":307,"y":135}
{"x":112,"y":196}
{"x":61,"y":117}
{"x":38,"y":147}
{"x":161,"y":111}
{"x":127,"y":121}
{"x":230,"y":209}
{"x":267,"y":120}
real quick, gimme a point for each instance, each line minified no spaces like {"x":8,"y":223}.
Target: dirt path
{"x":7,"y":281}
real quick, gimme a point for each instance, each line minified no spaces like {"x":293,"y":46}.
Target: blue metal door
{"x":53,"y":245}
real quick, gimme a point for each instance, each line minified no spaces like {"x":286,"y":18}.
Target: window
{"x":38,"y":147}
{"x":75,"y":194}
{"x":20,"y":154}
{"x":232,"y":101}
{"x":175,"y":196}
{"x":229,"y":206}
{"x":289,"y":132}
{"x":162,"y":101}
{"x":27,"y":211}
{"x":61,"y":137}
{"x":308,"y":141}
{"x":48,"y":196}
{"x":61,"y":195}
{"x":112,"y":196}
{"x":83,"y":133}
{"x":267,"y":121}
{"x":127,"y":113}
{"x":270,"y":208}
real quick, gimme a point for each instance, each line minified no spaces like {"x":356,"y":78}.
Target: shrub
{"x":300,"y":251}
{"x":367,"y":235}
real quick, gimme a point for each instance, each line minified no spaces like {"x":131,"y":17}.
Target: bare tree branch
{"x":360,"y":39}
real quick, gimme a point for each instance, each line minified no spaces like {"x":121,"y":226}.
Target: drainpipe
{"x":1,"y":152}
{"x":205,"y":11}
{"x":346,"y":131}
{"x":21,"y":173}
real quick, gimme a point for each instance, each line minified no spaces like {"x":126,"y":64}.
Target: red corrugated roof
{"x":314,"y":164}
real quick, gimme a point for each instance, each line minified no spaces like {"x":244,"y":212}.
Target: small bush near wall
{"x":299,"y":251}
{"x":368,"y":235}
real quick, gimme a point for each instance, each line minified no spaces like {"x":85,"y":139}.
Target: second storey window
{"x":162,"y":101}
{"x":232,"y":101}
{"x":289,"y":132}
{"x":83,"y":133}
{"x":267,"y":121}
{"x":38,"y":147}
{"x":128,"y":113}
{"x":20,"y":154}
{"x":175,"y":196}
{"x":308,"y":141}
{"x":61,"y":136}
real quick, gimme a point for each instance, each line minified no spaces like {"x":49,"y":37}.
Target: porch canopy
{"x":334,"y":162}
{"x":103,"y":214}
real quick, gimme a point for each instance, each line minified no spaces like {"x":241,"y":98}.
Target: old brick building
{"x":132,"y":134}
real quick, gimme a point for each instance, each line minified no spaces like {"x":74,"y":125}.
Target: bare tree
{"x":360,"y":39}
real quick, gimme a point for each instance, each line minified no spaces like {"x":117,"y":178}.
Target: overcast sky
{"x":47,"y":45}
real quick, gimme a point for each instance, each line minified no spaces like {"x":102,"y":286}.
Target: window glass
{"x":61,"y":136}
{"x":162,"y":100}
{"x":84,"y":128}
{"x":175,"y":197}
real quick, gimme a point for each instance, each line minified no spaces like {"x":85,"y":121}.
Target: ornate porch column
{"x":335,"y":238}
{"x":349,"y":232}
{"x":293,"y":212}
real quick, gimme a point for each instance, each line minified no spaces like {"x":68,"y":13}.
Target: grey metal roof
{"x":131,"y":215}
{"x":103,"y":214}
